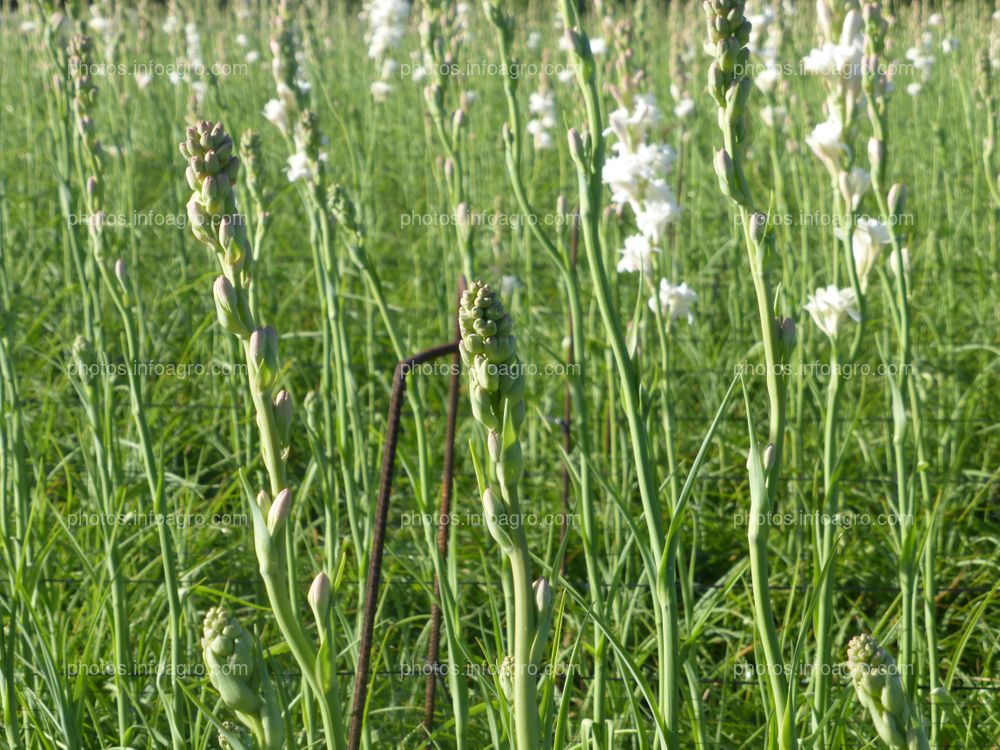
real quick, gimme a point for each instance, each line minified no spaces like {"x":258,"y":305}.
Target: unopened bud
{"x":264,"y":502}
{"x":758,"y":227}
{"x":575,"y":144}
{"x":768,"y":457}
{"x":319,"y":597}
{"x":875,"y":153}
{"x":279,"y":511}
{"x":264,"y":357}
{"x":283,"y":415}
{"x":896,"y":199}
{"x":543,"y":595}
{"x":121,"y":273}
{"x":227,"y":307}
{"x":726,"y":172}
{"x":788,"y":335}
{"x":493,"y":509}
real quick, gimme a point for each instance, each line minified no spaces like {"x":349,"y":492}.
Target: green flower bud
{"x":279,"y":511}
{"x":283,"y":415}
{"x":494,"y":513}
{"x":726,"y":172}
{"x":228,"y":651}
{"x":319,"y":599}
{"x":227,"y":307}
{"x":264,"y":357}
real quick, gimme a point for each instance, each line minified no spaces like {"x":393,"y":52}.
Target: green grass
{"x":57,"y":643}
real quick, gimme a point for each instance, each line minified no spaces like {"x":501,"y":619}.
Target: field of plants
{"x":531,"y":375}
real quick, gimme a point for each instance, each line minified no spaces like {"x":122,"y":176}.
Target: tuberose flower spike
{"x":880,"y":690}
{"x":489,"y":352}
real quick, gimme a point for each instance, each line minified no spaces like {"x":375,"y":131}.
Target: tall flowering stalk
{"x":496,"y":390}
{"x":342,"y":423}
{"x":903,"y":392}
{"x":562,"y":257}
{"x":838,"y":62}
{"x":728,"y":35}
{"x":442,"y":36}
{"x":659,"y":552}
{"x":216,"y":222}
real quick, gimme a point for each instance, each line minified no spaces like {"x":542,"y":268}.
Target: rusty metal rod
{"x":378,"y":534}
{"x":444,"y":519}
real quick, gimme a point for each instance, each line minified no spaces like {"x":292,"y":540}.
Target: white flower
{"x":566,"y":75}
{"x":685,"y":108}
{"x":835,"y":60}
{"x":242,"y":40}
{"x":854,"y":185}
{"x":598,"y":46}
{"x":773,"y":116}
{"x":543,"y":105}
{"x":170,"y":24}
{"x":300,"y":167}
{"x":174,"y":77}
{"x":913,"y":89}
{"x":866,"y":244}
{"x":826,"y":142}
{"x":637,"y":255}
{"x":949,"y":45}
{"x":894,"y":266}
{"x":540,"y":134}
{"x":934,"y":20}
{"x":27,"y":27}
{"x":509,"y":284}
{"x":675,"y":301}
{"x":622,"y":175}
{"x":100,"y":24}
{"x":142,"y":80}
{"x":534,"y":39}
{"x":767,"y":78}
{"x":386,"y":25}
{"x":829,"y":307}
{"x":380,"y":91}
{"x":659,"y":208}
{"x":389,"y":68}
{"x":252,"y":56}
{"x":276,"y":113}
{"x":419,"y":73}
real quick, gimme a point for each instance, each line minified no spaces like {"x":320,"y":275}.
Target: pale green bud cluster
{"x":81,"y":50}
{"x":253,"y":163}
{"x":211,"y":174}
{"x":236,"y":670}
{"x":489,"y":352}
{"x":496,"y":388}
{"x":729,"y":85}
{"x":284,"y":64}
{"x":880,"y":690}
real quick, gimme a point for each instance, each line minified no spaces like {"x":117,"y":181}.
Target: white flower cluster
{"x":840,"y":65}
{"x":830,"y":306}
{"x":866,"y":245}
{"x":386,"y":27}
{"x":674,"y":301}
{"x":764,"y":45}
{"x":542,"y":105}
{"x":921,"y":56}
{"x":637,"y":171}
